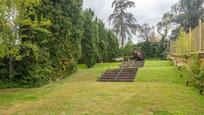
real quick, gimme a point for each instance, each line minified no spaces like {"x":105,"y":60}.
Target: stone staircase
{"x":126,"y":73}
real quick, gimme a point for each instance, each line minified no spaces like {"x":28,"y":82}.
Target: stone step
{"x":114,"y":70}
{"x":110,"y":73}
{"x":117,"y":80}
{"x":126,"y":74}
{"x":122,"y":72}
{"x":122,"y":75}
{"x":140,"y":64}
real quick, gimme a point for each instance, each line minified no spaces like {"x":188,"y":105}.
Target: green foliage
{"x":185,"y":13}
{"x":24,"y":59}
{"x":88,"y":42}
{"x":164,"y":26}
{"x":128,"y":49}
{"x":34,"y":34}
{"x":182,"y":44}
{"x":113,"y":46}
{"x":103,"y":41}
{"x":188,"y":12}
{"x":150,"y":49}
{"x":98,"y":44}
{"x":42,"y":47}
{"x":196,"y":71}
{"x":64,"y":43}
{"x":41,"y":38}
{"x":33,"y":70}
{"x":107,"y":45}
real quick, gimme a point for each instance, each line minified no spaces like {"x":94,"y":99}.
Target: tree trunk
{"x":10,"y":69}
{"x":122,"y":40}
{"x":122,"y":34}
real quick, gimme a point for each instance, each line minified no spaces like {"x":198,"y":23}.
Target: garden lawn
{"x":158,"y":89}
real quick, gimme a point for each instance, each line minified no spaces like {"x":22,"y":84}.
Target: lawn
{"x":158,"y":89}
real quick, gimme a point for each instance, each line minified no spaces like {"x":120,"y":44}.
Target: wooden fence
{"x":189,"y":43}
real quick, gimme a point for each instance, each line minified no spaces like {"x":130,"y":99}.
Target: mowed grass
{"x":158,"y":89}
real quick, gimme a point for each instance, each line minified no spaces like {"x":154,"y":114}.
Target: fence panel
{"x":195,"y":39}
{"x":191,"y":42}
{"x":202,"y":36}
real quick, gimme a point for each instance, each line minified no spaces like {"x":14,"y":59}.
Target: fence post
{"x":200,"y":34}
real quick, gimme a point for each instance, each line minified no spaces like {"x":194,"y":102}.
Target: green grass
{"x":161,"y":72}
{"x":158,"y":89}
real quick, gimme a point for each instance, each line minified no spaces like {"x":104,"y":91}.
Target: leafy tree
{"x":98,"y":43}
{"x":128,"y":49}
{"x":107,"y":46}
{"x":35,"y":68}
{"x":103,"y":42}
{"x":89,"y":49}
{"x":64,"y":43}
{"x":40,"y":38}
{"x":147,"y":33}
{"x":185,"y":13}
{"x":188,"y":12}
{"x":124,"y":23}
{"x":164,"y":26}
{"x":45,"y":34}
{"x":113,"y":46}
{"x":10,"y":48}
{"x":182,"y":45}
{"x":152,"y":46}
{"x":20,"y":58}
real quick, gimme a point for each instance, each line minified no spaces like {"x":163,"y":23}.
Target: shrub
{"x":196,"y":72}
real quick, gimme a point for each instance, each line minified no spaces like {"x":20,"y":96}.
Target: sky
{"x":145,"y":11}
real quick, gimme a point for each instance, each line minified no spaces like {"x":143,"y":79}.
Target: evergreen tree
{"x":89,"y":52}
{"x":40,"y":38}
{"x":113,"y":46}
{"x":64,"y":44}
{"x":35,"y":67}
{"x":124,"y":22}
{"x":103,"y":43}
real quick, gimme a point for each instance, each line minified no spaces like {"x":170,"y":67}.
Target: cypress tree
{"x":89,"y":52}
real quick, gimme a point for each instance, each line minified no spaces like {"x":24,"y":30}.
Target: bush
{"x":32,"y":70}
{"x":196,"y":72}
{"x":150,"y":49}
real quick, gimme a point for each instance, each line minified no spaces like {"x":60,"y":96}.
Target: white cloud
{"x":146,"y":11}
